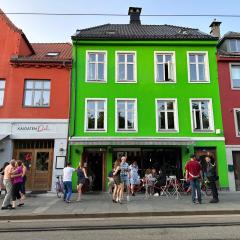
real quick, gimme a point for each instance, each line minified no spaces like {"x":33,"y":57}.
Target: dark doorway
{"x":94,"y":165}
{"x":236,"y":164}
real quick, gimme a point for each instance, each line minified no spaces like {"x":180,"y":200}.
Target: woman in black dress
{"x":81,"y":174}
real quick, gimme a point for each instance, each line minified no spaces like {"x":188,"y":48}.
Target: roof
{"x":140,"y":32}
{"x":41,"y":50}
{"x":228,"y":35}
{"x":14,"y":28}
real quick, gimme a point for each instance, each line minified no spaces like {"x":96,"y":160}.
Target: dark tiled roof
{"x":140,"y":32}
{"x":42,"y":49}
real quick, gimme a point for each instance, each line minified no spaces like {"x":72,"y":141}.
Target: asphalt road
{"x":191,"y":227}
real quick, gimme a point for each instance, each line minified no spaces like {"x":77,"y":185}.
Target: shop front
{"x":41,"y":145}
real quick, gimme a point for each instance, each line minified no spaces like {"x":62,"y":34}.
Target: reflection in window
{"x":37,"y":93}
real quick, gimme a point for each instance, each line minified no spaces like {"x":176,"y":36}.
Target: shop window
{"x":37,"y":93}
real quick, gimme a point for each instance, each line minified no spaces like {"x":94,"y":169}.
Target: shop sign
{"x":33,"y":128}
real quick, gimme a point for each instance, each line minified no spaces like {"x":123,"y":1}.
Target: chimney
{"x":215,"y":28}
{"x":134,"y":14}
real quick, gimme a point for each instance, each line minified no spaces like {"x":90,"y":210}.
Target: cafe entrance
{"x":37,"y":155}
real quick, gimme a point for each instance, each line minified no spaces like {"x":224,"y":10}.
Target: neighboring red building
{"x":229,"y":82}
{"x":34,"y":103}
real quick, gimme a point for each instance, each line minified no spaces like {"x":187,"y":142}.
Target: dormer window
{"x":52,"y":54}
{"x":234,"y":45}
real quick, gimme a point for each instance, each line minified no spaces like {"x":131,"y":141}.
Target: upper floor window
{"x":237,"y":121}
{"x":126,"y":67}
{"x":2,"y":90}
{"x":126,"y":115}
{"x":37,"y":93}
{"x":234,"y":45}
{"x":164,"y":67}
{"x":235,"y":76}
{"x":198,"y":67}
{"x":202,"y":117}
{"x":95,"y":115}
{"x":167,"y":117}
{"x":96,"y":67}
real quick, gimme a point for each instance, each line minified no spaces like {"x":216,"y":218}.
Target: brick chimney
{"x":134,"y":13}
{"x":215,"y":28}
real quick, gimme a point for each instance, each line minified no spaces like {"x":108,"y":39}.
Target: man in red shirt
{"x":194,"y":174}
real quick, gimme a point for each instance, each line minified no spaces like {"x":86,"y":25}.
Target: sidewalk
{"x":95,"y":205}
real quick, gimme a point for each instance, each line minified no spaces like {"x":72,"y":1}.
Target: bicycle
{"x":59,"y":186}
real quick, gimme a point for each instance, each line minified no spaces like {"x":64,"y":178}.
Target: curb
{"x":122,"y":215}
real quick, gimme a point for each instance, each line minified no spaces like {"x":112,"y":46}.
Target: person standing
{"x":17,"y":181}
{"x":194,"y":175}
{"x":125,"y":176}
{"x":212,"y":178}
{"x":8,"y":185}
{"x":134,"y":179}
{"x":23,"y":188}
{"x":117,"y":182}
{"x":1,"y":176}
{"x":67,"y":182}
{"x":81,"y":174}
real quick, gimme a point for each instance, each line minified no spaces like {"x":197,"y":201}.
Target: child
{"x":149,"y":183}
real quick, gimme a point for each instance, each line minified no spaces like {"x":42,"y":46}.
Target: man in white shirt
{"x":67,"y":182}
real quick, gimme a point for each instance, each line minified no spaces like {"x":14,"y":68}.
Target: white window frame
{"x":235,"y":121}
{"x":211,"y":116}
{"x":3,"y":90}
{"x":229,"y":45}
{"x":87,"y":68}
{"x":135,"y":115}
{"x":134,"y":67}
{"x":176,"y":123}
{"x":86,"y":115}
{"x":206,"y":65}
{"x":173,"y":53}
{"x":230,"y":70}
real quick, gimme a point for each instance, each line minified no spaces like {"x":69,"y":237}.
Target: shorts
{"x":81,"y":181}
{"x":125,"y":180}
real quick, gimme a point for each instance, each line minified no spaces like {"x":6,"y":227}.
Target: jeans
{"x":195,"y":185}
{"x":213,"y":187}
{"x":67,"y":190}
{"x":8,"y":184}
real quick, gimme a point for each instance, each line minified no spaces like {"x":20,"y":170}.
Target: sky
{"x":61,"y":28}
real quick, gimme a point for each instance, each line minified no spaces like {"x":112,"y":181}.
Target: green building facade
{"x":149,"y":92}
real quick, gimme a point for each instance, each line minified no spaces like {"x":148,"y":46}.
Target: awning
{"x":131,"y":141}
{"x":3,"y":136}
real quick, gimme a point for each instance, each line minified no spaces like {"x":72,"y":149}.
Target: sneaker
{"x":68,"y":201}
{"x":4,"y":208}
{"x":133,"y":194}
{"x":128,"y":198}
{"x":156,"y":195}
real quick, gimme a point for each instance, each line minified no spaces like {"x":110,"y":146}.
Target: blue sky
{"x":60,"y":28}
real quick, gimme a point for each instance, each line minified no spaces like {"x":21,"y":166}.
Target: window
{"x":202,"y":117}
{"x":237,"y":121}
{"x":235,"y":76}
{"x":126,"y":115}
{"x":164,"y":67}
{"x":96,"y":67}
{"x":167,"y":118}
{"x":2,"y":89}
{"x":95,"y":115}
{"x":234,"y":45}
{"x":126,"y":67}
{"x":37,"y":93}
{"x":198,"y":67}
{"x":52,"y":54}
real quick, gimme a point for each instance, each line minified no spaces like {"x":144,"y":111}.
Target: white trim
{"x":134,"y":66}
{"x":155,"y":66}
{"x":234,"y":147}
{"x":235,"y":121}
{"x":105,"y":66}
{"x":135,"y":115}
{"x":148,"y":138}
{"x":230,"y":71}
{"x":3,"y":90}
{"x":86,"y":118}
{"x":206,"y":64}
{"x":32,"y":120}
{"x":176,"y":123}
{"x":211,"y":115}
